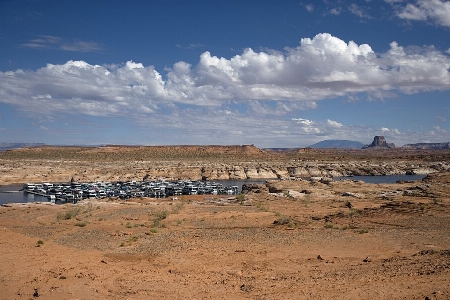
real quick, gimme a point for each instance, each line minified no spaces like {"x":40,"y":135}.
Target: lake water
{"x":11,"y":193}
{"x":383,"y":179}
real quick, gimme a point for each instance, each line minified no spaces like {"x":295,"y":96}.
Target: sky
{"x":209,"y":72}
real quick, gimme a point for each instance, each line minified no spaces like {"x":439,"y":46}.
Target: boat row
{"x":74,"y":191}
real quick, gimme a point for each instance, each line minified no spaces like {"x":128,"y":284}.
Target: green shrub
{"x":70,"y":213}
{"x":329,"y":225}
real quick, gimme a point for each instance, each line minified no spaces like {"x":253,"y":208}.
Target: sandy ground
{"x":301,"y":240}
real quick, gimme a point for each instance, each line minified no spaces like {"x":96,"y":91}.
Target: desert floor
{"x":287,"y":240}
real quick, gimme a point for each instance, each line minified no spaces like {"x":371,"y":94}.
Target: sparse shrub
{"x":160,"y":215}
{"x":129,"y":241}
{"x":240,"y":198}
{"x":345,"y":227}
{"x":70,"y":213}
{"x":283,"y":220}
{"x":80,"y":224}
{"x":362,"y":231}
{"x":39,"y":243}
{"x":329,"y":225}
{"x":353,"y":212}
{"x":262,"y":207}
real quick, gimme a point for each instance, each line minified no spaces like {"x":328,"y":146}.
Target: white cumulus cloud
{"x":437,"y":11}
{"x":318,"y":68}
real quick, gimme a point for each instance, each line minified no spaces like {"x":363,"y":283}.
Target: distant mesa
{"x":427,"y":146}
{"x":379,"y":142}
{"x":8,"y":146}
{"x":338,"y":144}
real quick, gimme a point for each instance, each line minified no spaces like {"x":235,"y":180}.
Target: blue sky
{"x":268,"y":73}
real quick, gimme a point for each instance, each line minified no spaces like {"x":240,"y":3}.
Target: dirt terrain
{"x":288,"y":239}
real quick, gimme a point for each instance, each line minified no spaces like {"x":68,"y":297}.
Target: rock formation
{"x":379,"y":142}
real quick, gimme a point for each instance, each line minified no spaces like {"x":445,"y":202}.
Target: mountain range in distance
{"x":325,"y":144}
{"x":338,"y":144}
{"x":7,"y":146}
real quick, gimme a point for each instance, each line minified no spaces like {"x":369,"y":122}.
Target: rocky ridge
{"x":61,"y":164}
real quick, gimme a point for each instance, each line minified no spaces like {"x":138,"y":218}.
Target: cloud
{"x":436,"y":11}
{"x":439,"y":129}
{"x":320,"y":68}
{"x":54,"y":42}
{"x":358,"y":11}
{"x":190,"y":46}
{"x":335,"y":11}
{"x":309,"y":7}
{"x":334,"y":124}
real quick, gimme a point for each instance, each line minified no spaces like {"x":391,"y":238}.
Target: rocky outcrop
{"x":379,"y":142}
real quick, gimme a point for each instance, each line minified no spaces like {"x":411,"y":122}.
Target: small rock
{"x":246,"y":288}
{"x":35,"y":294}
{"x":367,"y":259}
{"x":319,"y":257}
{"x":350,"y":194}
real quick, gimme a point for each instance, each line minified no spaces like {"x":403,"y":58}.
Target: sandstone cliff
{"x":379,"y":142}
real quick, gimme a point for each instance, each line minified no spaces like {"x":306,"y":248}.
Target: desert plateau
{"x":299,"y":235}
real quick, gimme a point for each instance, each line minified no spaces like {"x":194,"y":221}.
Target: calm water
{"x":18,"y":197}
{"x":21,"y":197}
{"x":383,"y":179}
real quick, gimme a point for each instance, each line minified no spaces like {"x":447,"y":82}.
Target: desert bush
{"x":80,"y":224}
{"x":39,"y":243}
{"x":161,"y":215}
{"x":70,"y":213}
{"x":283,"y":220}
{"x":129,"y":241}
{"x":240,"y":198}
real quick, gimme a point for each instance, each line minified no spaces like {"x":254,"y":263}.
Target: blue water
{"x":383,"y":179}
{"x":10,"y":194}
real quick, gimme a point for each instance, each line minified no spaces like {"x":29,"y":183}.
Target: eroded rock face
{"x":172,"y":163}
{"x":379,"y":142}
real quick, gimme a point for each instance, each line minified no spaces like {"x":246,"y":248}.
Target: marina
{"x":73,"y":192}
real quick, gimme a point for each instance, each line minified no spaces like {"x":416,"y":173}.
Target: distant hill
{"x":428,"y":146}
{"x":7,"y":146}
{"x":339,"y":144}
